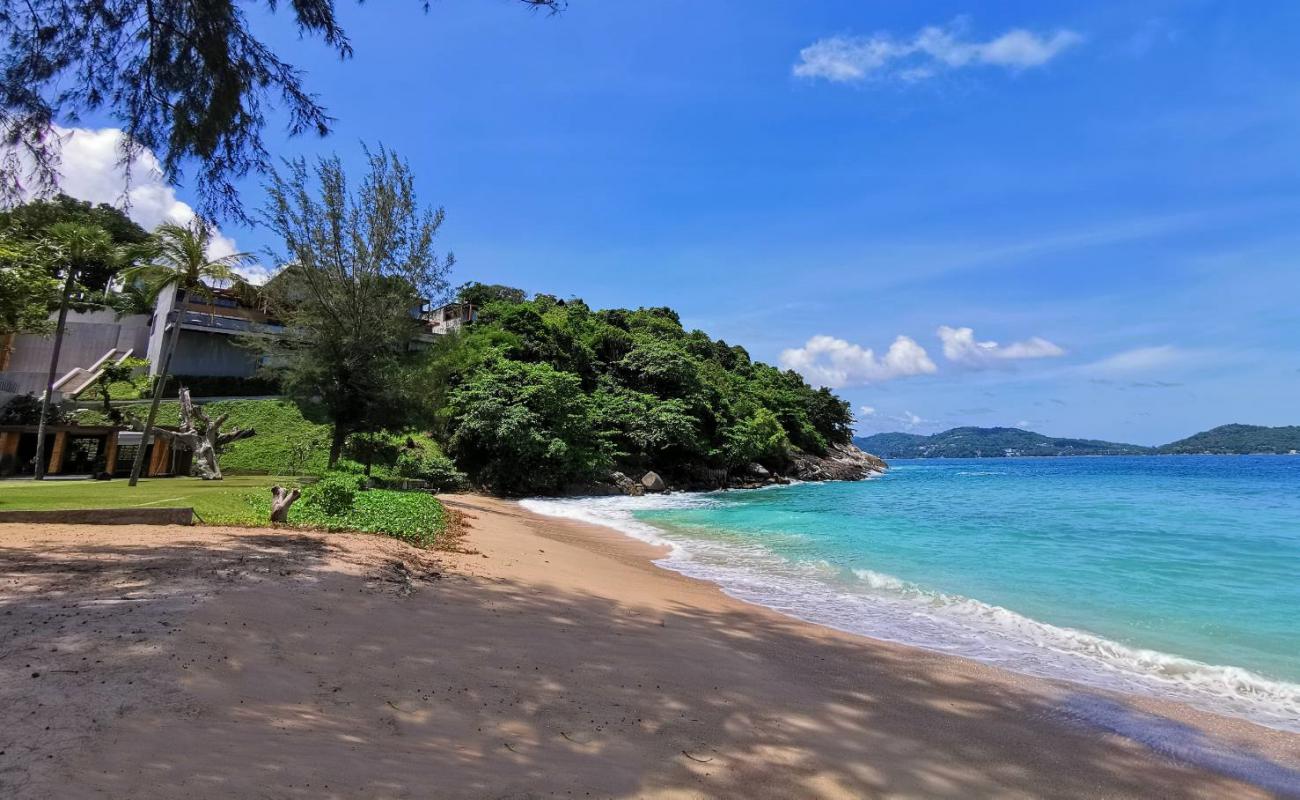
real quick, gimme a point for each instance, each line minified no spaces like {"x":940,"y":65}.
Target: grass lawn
{"x":414,"y":517}
{"x":216,"y":502}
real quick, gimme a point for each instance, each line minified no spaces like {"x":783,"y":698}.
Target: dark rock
{"x":653,"y":483}
{"x":626,"y":485}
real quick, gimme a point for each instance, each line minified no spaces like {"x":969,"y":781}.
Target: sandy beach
{"x":550,"y":659}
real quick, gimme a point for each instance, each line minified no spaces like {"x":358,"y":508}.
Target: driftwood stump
{"x":281,"y":500}
{"x":203,"y":436}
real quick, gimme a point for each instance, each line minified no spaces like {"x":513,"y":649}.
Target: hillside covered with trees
{"x":972,"y":442}
{"x":1239,"y":440}
{"x":543,"y":394}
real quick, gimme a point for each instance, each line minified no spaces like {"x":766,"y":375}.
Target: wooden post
{"x":110,"y":453}
{"x":161,"y":456}
{"x":9,"y":452}
{"x":56,"y":456}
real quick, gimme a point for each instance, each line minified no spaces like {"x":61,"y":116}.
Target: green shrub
{"x":414,"y":517}
{"x":430,"y":465}
{"x":335,"y":493}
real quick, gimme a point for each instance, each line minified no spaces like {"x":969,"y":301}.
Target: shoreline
{"x":549,"y":657}
{"x":1075,"y":663}
{"x":1229,"y":745}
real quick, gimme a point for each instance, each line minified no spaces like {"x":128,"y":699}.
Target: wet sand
{"x":553,"y":660}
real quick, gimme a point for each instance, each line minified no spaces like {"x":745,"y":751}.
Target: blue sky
{"x":1110,"y":192}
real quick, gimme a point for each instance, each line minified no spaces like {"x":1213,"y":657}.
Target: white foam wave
{"x":886,"y":607}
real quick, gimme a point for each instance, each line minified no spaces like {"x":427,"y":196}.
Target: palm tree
{"x":178,"y":259}
{"x":70,"y":247}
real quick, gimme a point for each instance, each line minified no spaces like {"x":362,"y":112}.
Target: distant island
{"x":971,"y":442}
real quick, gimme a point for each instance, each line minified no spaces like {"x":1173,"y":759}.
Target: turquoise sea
{"x":1170,"y":576}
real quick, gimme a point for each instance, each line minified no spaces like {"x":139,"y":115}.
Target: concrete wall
{"x":199,"y":353}
{"x":87,"y":337}
{"x":103,"y":516}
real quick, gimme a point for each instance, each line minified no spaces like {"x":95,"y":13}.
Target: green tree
{"x":177,"y":259}
{"x":362,"y":264}
{"x":31,"y":222}
{"x":69,"y":248}
{"x":27,"y":291}
{"x":480,"y":294}
{"x":522,"y":428}
{"x":113,"y":374}
{"x":186,"y":79}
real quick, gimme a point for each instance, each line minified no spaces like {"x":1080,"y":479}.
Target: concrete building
{"x":208,"y":345}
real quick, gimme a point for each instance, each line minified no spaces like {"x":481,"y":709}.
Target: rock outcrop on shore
{"x":842,"y":462}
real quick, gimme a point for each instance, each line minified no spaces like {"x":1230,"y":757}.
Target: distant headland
{"x":971,"y":442}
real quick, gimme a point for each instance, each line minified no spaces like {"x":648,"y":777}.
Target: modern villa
{"x":208,"y":347}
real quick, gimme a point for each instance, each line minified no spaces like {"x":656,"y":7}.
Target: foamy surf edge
{"x":885,"y":607}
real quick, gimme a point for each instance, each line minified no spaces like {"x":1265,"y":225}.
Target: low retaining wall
{"x":104,"y":516}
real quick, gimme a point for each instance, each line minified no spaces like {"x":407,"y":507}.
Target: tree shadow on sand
{"x":470,"y":687}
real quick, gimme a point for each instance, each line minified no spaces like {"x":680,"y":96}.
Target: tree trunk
{"x":336,"y":446}
{"x":159,"y":385}
{"x":205,"y":440}
{"x":281,"y":500}
{"x":49,"y":378}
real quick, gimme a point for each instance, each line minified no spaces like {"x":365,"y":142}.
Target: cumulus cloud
{"x":851,"y":59}
{"x":867,"y":411}
{"x":833,"y":362}
{"x":91,"y":169}
{"x":960,"y":345}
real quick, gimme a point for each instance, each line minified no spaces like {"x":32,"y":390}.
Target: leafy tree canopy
{"x":546,"y":392}
{"x":27,"y":291}
{"x":32,"y":222}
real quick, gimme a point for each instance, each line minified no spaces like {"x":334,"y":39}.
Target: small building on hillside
{"x":450,"y":318}
{"x":209,"y":344}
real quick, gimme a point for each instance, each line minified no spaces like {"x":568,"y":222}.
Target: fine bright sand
{"x":551,"y":659}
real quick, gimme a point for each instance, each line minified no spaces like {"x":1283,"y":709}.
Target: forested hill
{"x":1239,"y":440}
{"x":544,"y":394}
{"x":989,"y":443}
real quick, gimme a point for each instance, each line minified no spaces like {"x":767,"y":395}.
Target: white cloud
{"x":867,"y":411}
{"x":850,"y":59}
{"x":91,"y":169}
{"x":1141,"y":359}
{"x":959,"y":345}
{"x":910,"y":422}
{"x":833,"y":362}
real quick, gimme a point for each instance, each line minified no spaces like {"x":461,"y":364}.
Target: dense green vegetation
{"x":1239,"y":440}
{"x":989,"y":443}
{"x":543,"y":393}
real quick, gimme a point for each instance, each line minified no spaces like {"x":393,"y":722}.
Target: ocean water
{"x":1177,"y":577}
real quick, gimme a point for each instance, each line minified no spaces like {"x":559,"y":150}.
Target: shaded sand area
{"x":551,"y":661}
